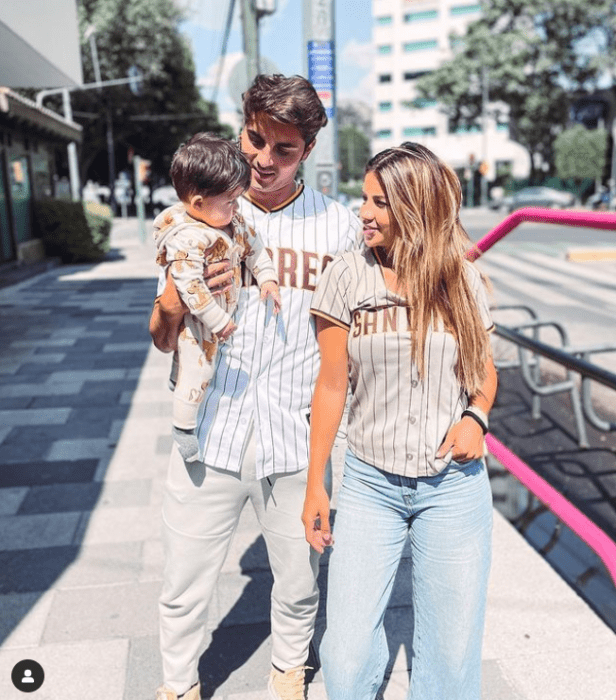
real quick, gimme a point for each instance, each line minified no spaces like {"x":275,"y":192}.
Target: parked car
{"x":546,"y":197}
{"x":541,"y":197}
{"x":163,"y":197}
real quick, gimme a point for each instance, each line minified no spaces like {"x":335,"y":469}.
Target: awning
{"x":17,"y":110}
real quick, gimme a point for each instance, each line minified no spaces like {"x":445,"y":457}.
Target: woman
{"x":406,"y":320}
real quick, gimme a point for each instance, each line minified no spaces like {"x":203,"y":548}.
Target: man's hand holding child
{"x":272,"y":290}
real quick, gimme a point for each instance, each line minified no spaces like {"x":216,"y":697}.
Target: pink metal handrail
{"x":584,"y":528}
{"x":592,"y":219}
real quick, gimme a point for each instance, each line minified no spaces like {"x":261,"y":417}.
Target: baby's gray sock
{"x":187,"y":443}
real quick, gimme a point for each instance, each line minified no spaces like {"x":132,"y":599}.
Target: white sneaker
{"x":287,"y":685}
{"x":164,"y":693}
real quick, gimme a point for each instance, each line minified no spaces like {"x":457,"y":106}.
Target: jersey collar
{"x":292,"y":198}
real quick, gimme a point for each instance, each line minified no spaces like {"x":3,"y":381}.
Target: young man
{"x":254,"y":423}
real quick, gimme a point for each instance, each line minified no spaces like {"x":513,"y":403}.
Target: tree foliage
{"x":168,"y":107}
{"x":354,"y":147}
{"x":534,"y":54}
{"x":580,"y":153}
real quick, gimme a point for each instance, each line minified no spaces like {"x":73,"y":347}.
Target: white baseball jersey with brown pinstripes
{"x":265,"y":373}
{"x":396,"y":421}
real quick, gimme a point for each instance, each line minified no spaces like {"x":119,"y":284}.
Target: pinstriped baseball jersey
{"x":266,"y":371}
{"x":396,"y":421}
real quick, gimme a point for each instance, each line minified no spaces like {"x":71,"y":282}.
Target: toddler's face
{"x":216,"y":211}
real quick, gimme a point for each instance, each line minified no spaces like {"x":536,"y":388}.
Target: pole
{"x":139,"y":196}
{"x":250,"y":30}
{"x":484,"y":134}
{"x":73,"y":167}
{"x":321,"y":168}
{"x":111,"y":160}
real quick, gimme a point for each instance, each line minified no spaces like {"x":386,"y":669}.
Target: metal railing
{"x":574,"y":360}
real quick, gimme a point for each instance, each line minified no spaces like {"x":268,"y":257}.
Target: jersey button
{"x":409,"y":457}
{"x":414,"y":383}
{"x":413,"y":420}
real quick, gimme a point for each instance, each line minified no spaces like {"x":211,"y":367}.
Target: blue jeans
{"x":449,"y":520}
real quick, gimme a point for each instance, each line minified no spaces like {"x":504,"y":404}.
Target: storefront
{"x":32,"y":141}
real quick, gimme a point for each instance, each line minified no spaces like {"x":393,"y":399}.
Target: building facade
{"x":412,"y":38}
{"x":33,"y":140}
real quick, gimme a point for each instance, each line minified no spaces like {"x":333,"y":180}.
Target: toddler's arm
{"x":272,"y":290}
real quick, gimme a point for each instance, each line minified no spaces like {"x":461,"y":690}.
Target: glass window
{"x":385,"y":106}
{"x":414,"y":131}
{"x":383,"y":134}
{"x":464,"y":9}
{"x":413,"y":75}
{"x":421,"y":45}
{"x":386,"y":19}
{"x":385,"y":49}
{"x":465,"y":129}
{"x":502,"y":126}
{"x":421,"y":16}
{"x":385,"y":78}
{"x":423,"y":103}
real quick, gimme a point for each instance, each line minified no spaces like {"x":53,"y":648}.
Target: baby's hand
{"x":272,"y":290}
{"x":226,"y":331}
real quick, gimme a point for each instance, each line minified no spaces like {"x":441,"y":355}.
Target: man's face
{"x":275,"y":152}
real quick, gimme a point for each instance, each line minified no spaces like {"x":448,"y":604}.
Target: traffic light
{"x":144,"y":170}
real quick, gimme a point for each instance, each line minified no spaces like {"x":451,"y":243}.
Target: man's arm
{"x":169,"y":309}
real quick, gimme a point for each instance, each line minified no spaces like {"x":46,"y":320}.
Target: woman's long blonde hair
{"x":423,"y":199}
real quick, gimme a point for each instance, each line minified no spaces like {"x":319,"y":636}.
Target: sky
{"x":281,"y":42}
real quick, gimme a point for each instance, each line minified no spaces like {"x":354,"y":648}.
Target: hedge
{"x":71,"y":232}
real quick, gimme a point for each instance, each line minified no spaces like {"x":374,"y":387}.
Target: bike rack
{"x":574,"y":360}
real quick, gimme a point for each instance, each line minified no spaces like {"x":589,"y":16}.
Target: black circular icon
{"x":27,"y":676}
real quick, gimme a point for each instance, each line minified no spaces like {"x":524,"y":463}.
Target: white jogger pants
{"x":201,"y":509}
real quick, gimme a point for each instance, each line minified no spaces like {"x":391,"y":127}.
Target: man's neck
{"x":272,"y":200}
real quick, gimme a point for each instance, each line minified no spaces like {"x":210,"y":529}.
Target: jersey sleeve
{"x":185,"y":257}
{"x":480,"y":293}
{"x":331,"y":297}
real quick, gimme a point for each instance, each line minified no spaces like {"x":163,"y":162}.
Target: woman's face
{"x":374,"y":214}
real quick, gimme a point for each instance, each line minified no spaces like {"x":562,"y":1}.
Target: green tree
{"x":580,"y":153}
{"x":168,"y":106}
{"x":354,"y":148}
{"x":530,"y":55}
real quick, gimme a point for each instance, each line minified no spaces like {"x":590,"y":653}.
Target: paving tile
{"x":34,"y":569}
{"x":35,"y":416}
{"x":11,"y":499}
{"x":22,"y":618}
{"x":34,"y":531}
{"x":103,"y":612}
{"x":75,"y":671}
{"x":43,"y":343}
{"x":60,"y":498}
{"x":15,"y":403}
{"x":79,"y":449}
{"x":42,"y":389}
{"x":47,"y":472}
{"x":137,"y":346}
{"x":103,"y":564}
{"x":144,"y":671}
{"x":122,"y":525}
{"x":86,"y":375}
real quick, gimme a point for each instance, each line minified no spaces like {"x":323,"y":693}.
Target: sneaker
{"x":164,"y":693}
{"x":287,"y":685}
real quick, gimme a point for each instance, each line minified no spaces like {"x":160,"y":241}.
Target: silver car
{"x":540,"y":197}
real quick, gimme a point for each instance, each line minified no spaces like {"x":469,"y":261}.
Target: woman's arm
{"x":327,"y":408}
{"x":465,"y":438}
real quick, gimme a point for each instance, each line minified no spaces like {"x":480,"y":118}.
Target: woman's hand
{"x":465,"y":439}
{"x":316,"y":518}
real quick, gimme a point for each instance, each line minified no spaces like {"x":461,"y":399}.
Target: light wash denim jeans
{"x":449,"y":520}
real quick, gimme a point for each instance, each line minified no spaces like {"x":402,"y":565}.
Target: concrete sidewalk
{"x":84,"y":441}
